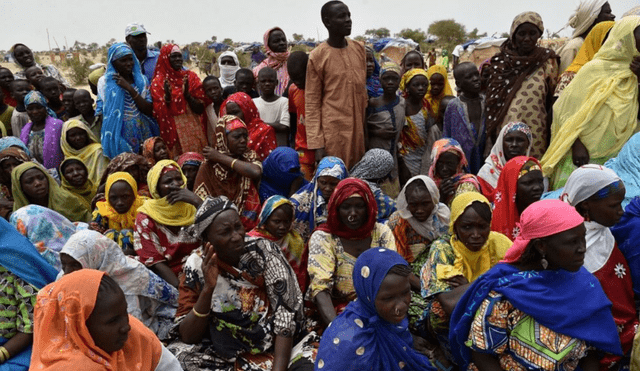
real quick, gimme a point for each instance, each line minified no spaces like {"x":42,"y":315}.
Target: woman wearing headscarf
{"x":275,"y":224}
{"x":588,"y":14}
{"x":369,"y":334}
{"x":112,"y":217}
{"x":232,"y":170}
{"x":597,"y":193}
{"x":46,"y":229}
{"x":310,"y":202}
{"x":23,"y":57}
{"x":374,"y":89}
{"x":31,"y":184}
{"x":262,"y":137}
{"x":74,"y":177}
{"x":351,"y":228}
{"x":448,"y":170}
{"x":520,"y":184}
{"x":178,"y":103}
{"x":131,"y":163}
{"x":123,"y":93}
{"x":281,"y":174}
{"x":78,"y":140}
{"x":229,"y":65}
{"x":514,"y":140}
{"x":155,"y":149}
{"x":592,"y":44}
{"x":522,"y":81}
{"x":597,"y":113}
{"x":160,"y":239}
{"x":42,"y":134}
{"x":10,"y":157}
{"x":375,"y":168}
{"x":149,"y":298}
{"x":543,"y":291}
{"x":190,"y":163}
{"x":439,"y":88}
{"x":240,"y":306}
{"x":277,"y":50}
{"x":82,"y":323}
{"x":457,"y":259}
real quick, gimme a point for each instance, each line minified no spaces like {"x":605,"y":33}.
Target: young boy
{"x":245,"y":83}
{"x":50,"y":88}
{"x":213,"y":91}
{"x":19,"y":89}
{"x":67,"y":101}
{"x":34,"y":74}
{"x":5,"y":113}
{"x":297,"y":68}
{"x":464,"y":118}
{"x":83,"y":102}
{"x":274,"y":110}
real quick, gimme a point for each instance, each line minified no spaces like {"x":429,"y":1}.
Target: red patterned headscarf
{"x":345,"y":189}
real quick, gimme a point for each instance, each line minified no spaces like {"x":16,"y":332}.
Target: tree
{"x":378,"y":32}
{"x":475,"y":35}
{"x":360,"y":38}
{"x":505,"y":35}
{"x":449,"y":32}
{"x":227,"y":41}
{"x":214,"y":38}
{"x":298,"y":37}
{"x":416,"y":35}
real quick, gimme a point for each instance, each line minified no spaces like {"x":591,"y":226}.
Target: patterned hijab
{"x":148,"y":149}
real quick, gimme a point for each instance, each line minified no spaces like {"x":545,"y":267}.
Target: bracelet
{"x":233,"y":162}
{"x":200,"y":314}
{"x":5,"y":354}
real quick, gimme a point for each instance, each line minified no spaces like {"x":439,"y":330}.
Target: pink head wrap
{"x":542,"y":219}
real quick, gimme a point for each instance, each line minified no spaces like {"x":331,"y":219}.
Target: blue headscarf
{"x":627,"y":166}
{"x":7,"y":142}
{"x":21,"y":258}
{"x":374,"y":89}
{"x":35,"y":96}
{"x":113,"y":142}
{"x":359,"y":339}
{"x":569,"y":303}
{"x":279,"y":170}
{"x":627,"y":234}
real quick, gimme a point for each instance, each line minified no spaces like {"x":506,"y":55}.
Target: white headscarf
{"x":228,"y":73}
{"x":585,"y":15}
{"x":438,"y":222}
{"x":493,"y":164}
{"x":583,"y":183}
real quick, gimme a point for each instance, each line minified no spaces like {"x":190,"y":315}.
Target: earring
{"x":397,"y":312}
{"x":544,"y":262}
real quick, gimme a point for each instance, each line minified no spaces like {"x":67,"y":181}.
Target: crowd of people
{"x":326,"y":211}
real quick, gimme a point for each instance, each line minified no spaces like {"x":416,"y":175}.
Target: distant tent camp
{"x":218,"y":47}
{"x":394,"y":48}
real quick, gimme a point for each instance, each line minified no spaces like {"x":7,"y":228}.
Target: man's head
{"x":336,"y":18}
{"x":244,"y":80}
{"x":136,"y":36}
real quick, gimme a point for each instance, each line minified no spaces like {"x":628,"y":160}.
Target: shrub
{"x":79,"y":70}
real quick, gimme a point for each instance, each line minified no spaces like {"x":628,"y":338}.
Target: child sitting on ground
{"x":274,"y":110}
{"x":74,"y":177}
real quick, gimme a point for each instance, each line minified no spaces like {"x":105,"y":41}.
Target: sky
{"x":186,"y":21}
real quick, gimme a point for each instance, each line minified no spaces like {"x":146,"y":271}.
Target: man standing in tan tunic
{"x":336,"y":94}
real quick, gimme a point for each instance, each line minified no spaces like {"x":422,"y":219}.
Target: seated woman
{"x":275,"y":224}
{"x":240,"y":306}
{"x":591,"y":123}
{"x":521,"y":184}
{"x":43,"y":131}
{"x":154,"y":149}
{"x":177,"y":102}
{"x":281,"y":174}
{"x":79,"y":141}
{"x":116,"y":216}
{"x":74,"y":177}
{"x":22,"y":273}
{"x":149,"y":298}
{"x":131,"y":163}
{"x":262,"y":137}
{"x":421,"y":218}
{"x":375,"y":168}
{"x":232,"y":170}
{"x":350,"y":229}
{"x":82,"y":323}
{"x":31,"y":184}
{"x":457,"y":259}
{"x":597,"y":193}
{"x":190,"y":163}
{"x":160,"y":239}
{"x":310,"y":202}
{"x":538,"y":309}
{"x":448,"y":165}
{"x":123,"y":94}
{"x":9,"y":159}
{"x":374,"y":329}
{"x":46,"y":229}
{"x":514,"y":140}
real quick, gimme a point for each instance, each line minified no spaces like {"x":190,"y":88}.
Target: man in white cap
{"x":136,"y":36}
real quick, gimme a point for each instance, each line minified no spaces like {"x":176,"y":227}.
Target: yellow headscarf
{"x":88,"y":189}
{"x":410,"y":75}
{"x":71,"y":206}
{"x":591,"y":45}
{"x":3,"y":130}
{"x":179,"y":214}
{"x":91,"y":155}
{"x":471,"y":264}
{"x":600,"y":106}
{"x":120,"y":221}
{"x":435,"y":101}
